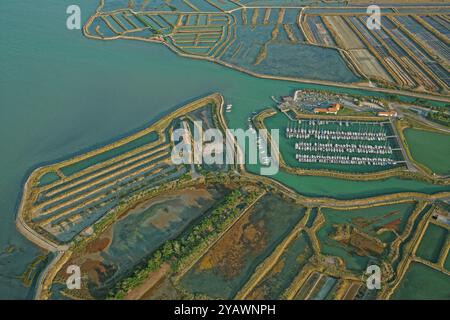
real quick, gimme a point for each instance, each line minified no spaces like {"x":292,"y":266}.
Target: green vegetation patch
{"x":440,"y":117}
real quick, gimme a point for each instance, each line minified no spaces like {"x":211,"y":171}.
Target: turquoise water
{"x":368,"y":220}
{"x":61,"y":94}
{"x":132,"y":145}
{"x":48,"y":178}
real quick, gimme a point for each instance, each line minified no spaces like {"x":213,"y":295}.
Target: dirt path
{"x":154,"y":278}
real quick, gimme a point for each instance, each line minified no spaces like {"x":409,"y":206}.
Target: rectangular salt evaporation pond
{"x":326,"y":288}
{"x":88,"y":216}
{"x":434,"y":155}
{"x":388,"y":219}
{"x":107,"y":155}
{"x":423,"y":283}
{"x":305,"y":61}
{"x":290,"y":60}
{"x":229,"y":264}
{"x":154,"y":155}
{"x":432,"y":243}
{"x":144,"y":229}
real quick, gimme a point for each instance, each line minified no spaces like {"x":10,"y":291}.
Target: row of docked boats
{"x":346,"y":160}
{"x":343,"y":148}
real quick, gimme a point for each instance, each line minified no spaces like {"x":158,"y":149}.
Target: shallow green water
{"x":48,"y":178}
{"x":422,"y":282}
{"x":62,"y":94}
{"x":431,"y":149}
{"x":349,"y":189}
{"x":368,"y":220}
{"x":432,"y":243}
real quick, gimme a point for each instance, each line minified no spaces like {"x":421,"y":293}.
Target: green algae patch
{"x":423,"y":283}
{"x":431,"y":149}
{"x":432,"y":242}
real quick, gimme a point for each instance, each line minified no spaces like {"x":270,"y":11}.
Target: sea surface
{"x":61,"y":94}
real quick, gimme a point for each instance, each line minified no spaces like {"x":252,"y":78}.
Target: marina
{"x":344,"y":142}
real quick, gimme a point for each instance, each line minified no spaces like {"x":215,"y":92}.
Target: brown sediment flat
{"x":394,"y":225}
{"x":364,"y":244}
{"x":259,"y":293}
{"x":228,"y":256}
{"x":363,"y":222}
{"x":189,"y":197}
{"x":163,"y":290}
{"x":391,"y":214}
{"x":94,"y":268}
{"x":163,"y":218}
{"x":98,"y":245}
{"x":279,"y":266}
{"x":91,"y":260}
